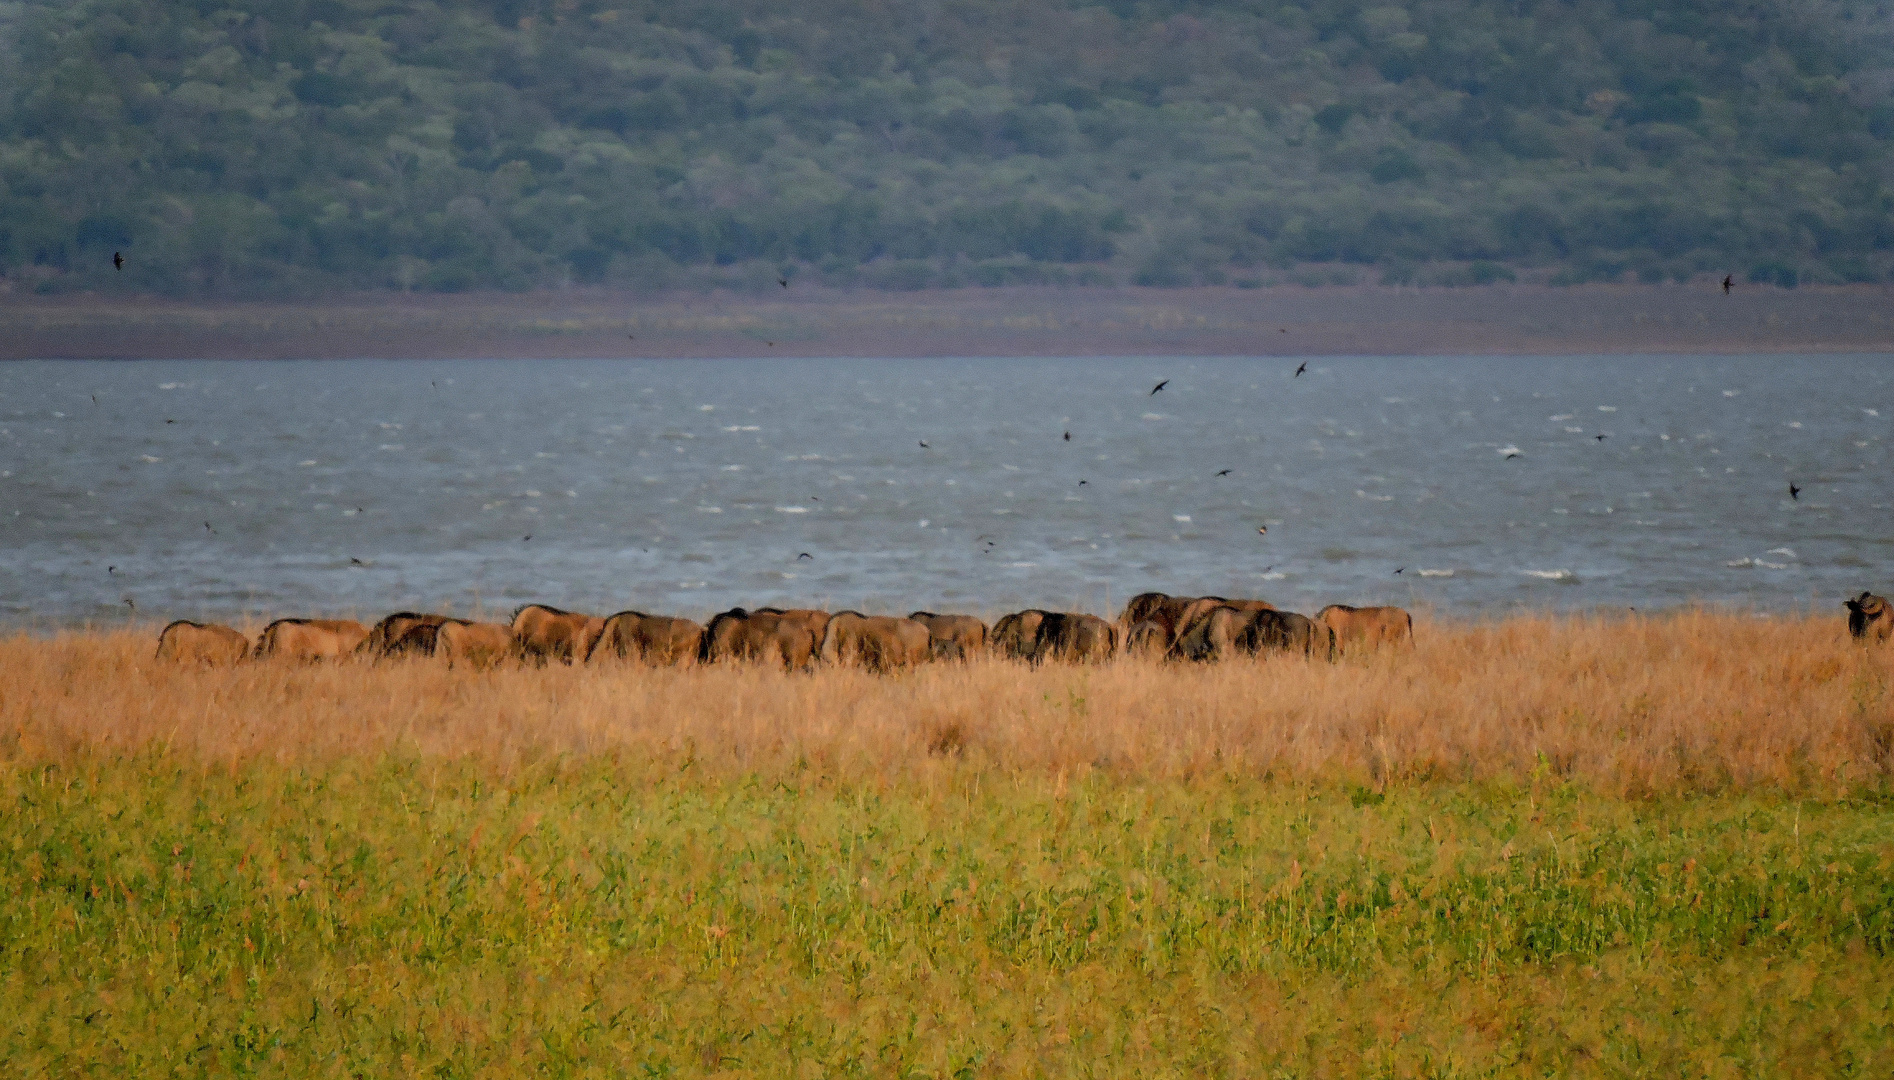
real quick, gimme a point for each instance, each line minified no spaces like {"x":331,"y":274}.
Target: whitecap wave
{"x":1436,"y":573}
{"x":1562,"y":576}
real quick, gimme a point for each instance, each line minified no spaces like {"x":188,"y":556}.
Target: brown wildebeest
{"x":310,"y":639}
{"x":1175,"y":613}
{"x":479,"y":644}
{"x":1014,"y":635}
{"x":953,"y":637}
{"x":879,"y":643}
{"x":1147,"y":640}
{"x":654,"y":639}
{"x":387,"y":638}
{"x":1073,"y":637}
{"x":768,"y":636}
{"x":188,"y":642}
{"x":542,"y":633}
{"x":1368,"y":627}
{"x":816,"y":621}
{"x":1870,"y":618}
{"x":1225,"y":632}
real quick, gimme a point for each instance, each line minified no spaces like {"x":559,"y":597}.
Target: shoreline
{"x":807,"y":321}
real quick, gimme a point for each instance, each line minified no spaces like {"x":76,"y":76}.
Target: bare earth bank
{"x":1024,"y":321}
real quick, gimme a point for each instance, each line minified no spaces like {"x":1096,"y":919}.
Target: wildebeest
{"x":768,"y":636}
{"x":877,"y":642}
{"x":479,"y":644}
{"x":654,"y":639}
{"x":953,"y":637}
{"x":1225,"y":632}
{"x":816,"y":621}
{"x":188,"y":642}
{"x":391,"y":635}
{"x":1014,"y":635}
{"x":1870,"y":617}
{"x":1147,"y":639}
{"x":1368,"y":627}
{"x":1174,"y":614}
{"x":1076,"y":638}
{"x":310,"y":639}
{"x":542,"y":633}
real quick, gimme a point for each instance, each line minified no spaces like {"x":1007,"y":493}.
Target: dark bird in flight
{"x":1512,"y":455}
{"x":118,"y":261}
{"x":1262,"y":530}
{"x":525,"y":538}
{"x":924,"y":444}
{"x":1223,"y":472}
{"x":353,"y":561}
{"x":208,"y":529}
{"x":1600,"y":438}
{"x":1158,"y":387}
{"x":1082,"y":483}
{"x":129,"y":604}
{"x":1727,"y":284}
{"x":1300,"y":368}
{"x":771,"y":344}
{"x":1402,"y":568}
{"x":1794,"y":492}
{"x":111,"y":569}
{"x":1068,"y":436}
{"x":815,"y":498}
{"x":434,"y":384}
{"x":783,"y":281}
{"x":95,"y":399}
{"x":170,"y":421}
{"x":631,"y":337}
{"x":805,"y":555}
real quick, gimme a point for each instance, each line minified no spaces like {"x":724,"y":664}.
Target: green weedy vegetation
{"x":274,"y":147}
{"x":383,"y":916}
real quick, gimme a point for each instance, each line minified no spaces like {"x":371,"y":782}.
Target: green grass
{"x":598,"y":918}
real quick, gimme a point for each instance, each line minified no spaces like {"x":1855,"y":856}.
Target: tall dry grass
{"x":1693,"y":700}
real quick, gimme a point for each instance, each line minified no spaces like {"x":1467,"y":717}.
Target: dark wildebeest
{"x":1870,"y":618}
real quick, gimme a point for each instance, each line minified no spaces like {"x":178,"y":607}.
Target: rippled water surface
{"x":253,"y":488}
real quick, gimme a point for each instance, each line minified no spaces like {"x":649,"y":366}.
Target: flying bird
{"x":208,"y":529}
{"x":1262,"y":530}
{"x":783,"y":281}
{"x":129,"y":604}
{"x":118,"y":261}
{"x":525,"y":538}
{"x":1402,"y":568}
{"x":1794,"y":492}
{"x":1727,"y":284}
{"x":1068,"y":436}
{"x":353,"y":561}
{"x":1300,"y":368}
{"x":95,"y":399}
{"x":1082,"y":483}
{"x":1600,"y":438}
{"x":1158,"y":387}
{"x":170,"y":421}
{"x":805,"y":555}
{"x":924,"y":444}
{"x":111,"y":569}
{"x":1223,"y":472}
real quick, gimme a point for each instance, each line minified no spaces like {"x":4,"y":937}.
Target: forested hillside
{"x":288,"y":147}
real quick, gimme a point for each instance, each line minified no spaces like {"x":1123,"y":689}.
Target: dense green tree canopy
{"x":285,"y":146}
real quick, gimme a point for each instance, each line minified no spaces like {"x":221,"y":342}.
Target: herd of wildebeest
{"x":1152,"y":625}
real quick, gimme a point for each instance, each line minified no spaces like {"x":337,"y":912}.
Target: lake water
{"x":232,"y":489}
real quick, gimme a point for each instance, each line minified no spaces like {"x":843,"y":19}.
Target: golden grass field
{"x":1570,"y":846}
{"x":1693,"y":701}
